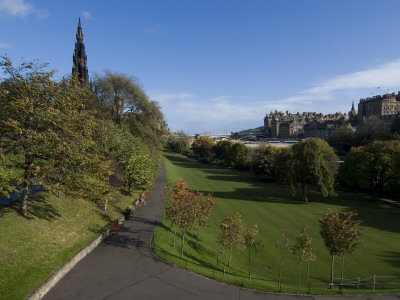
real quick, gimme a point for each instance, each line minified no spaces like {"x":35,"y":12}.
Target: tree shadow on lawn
{"x":41,"y":207}
{"x":387,"y":219}
{"x":393,"y":258}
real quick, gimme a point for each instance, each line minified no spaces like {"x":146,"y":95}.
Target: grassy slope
{"x":272,"y":206}
{"x":32,"y":249}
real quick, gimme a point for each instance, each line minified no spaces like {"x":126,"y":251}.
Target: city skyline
{"x":220,"y":66}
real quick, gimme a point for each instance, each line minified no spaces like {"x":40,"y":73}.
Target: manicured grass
{"x":31,"y":249}
{"x":272,"y":206}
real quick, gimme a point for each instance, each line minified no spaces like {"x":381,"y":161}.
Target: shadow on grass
{"x":387,"y":219}
{"x":393,"y":258}
{"x":41,"y":207}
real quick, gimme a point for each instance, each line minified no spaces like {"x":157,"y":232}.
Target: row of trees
{"x":56,"y":134}
{"x":340,"y":234}
{"x":309,"y":162}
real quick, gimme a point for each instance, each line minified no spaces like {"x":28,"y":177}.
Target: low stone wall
{"x":66,"y":267}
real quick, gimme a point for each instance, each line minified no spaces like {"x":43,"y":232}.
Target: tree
{"x":48,"y":131}
{"x":174,"y":193}
{"x":185,"y":207}
{"x":282,"y":245}
{"x":250,"y":242}
{"x":231,"y":234}
{"x":179,"y":142}
{"x":186,"y":216}
{"x":238,"y":155}
{"x":222,"y":150}
{"x":130,"y":106}
{"x":121,"y":93}
{"x":265,"y":163}
{"x":340,"y":235}
{"x":202,"y":147}
{"x":375,"y":166}
{"x":304,"y":252}
{"x":203,"y":211}
{"x":311,"y":161}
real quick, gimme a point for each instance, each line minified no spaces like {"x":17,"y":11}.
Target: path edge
{"x":59,"y":273}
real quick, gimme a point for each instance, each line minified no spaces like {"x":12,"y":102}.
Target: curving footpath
{"x":124,"y":267}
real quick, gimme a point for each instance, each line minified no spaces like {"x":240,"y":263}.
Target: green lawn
{"x":32,"y":249}
{"x":271,"y":206}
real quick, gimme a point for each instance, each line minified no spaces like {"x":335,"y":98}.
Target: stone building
{"x":308,"y":124}
{"x":79,"y":68}
{"x":385,"y":108}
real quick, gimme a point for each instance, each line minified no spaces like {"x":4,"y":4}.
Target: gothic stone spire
{"x":79,"y":68}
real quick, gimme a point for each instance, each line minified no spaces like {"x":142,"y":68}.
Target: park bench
{"x":116,"y":226}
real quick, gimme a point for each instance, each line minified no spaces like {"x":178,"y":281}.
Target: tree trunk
{"x":308,"y":271}
{"x":183,"y":243}
{"x":341,"y":276}
{"x":249,"y":264}
{"x":305,"y":188}
{"x":174,"y":235}
{"x":24,"y":199}
{"x":105,"y":206}
{"x":198,"y":235}
{"x":298,"y":276}
{"x":280,"y":273}
{"x":230,"y":257}
{"x":225,"y":263}
{"x":332,"y":263}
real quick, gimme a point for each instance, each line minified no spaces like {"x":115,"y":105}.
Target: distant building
{"x":79,"y":68}
{"x":308,"y":124}
{"x":385,"y":108}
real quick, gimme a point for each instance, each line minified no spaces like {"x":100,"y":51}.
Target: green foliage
{"x":311,"y":161}
{"x":283,"y":246}
{"x":139,"y":164}
{"x":343,"y":139}
{"x":238,"y":156}
{"x":340,"y":234}
{"x":129,"y":105}
{"x":265,"y":163}
{"x":374,"y":167}
{"x":303,"y":251}
{"x":179,"y":142}
{"x":222,"y":152}
{"x":267,"y":204}
{"x":230,"y":235}
{"x":45,"y":122}
{"x":251,"y":243}
{"x":202,"y":147}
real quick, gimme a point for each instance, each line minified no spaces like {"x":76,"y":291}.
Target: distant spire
{"x":79,"y":58}
{"x":352,"y":106}
{"x":79,"y":34}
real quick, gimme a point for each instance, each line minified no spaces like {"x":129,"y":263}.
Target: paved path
{"x":123,"y":267}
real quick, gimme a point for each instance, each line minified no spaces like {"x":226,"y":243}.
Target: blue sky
{"x":220,"y":65}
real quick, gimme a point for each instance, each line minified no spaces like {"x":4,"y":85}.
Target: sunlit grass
{"x":31,"y":249}
{"x":272,"y":206}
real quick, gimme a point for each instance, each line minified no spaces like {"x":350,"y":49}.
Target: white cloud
{"x":218,"y":114}
{"x":386,"y":76}
{"x":87,"y":15}
{"x":21,"y":8}
{"x":4,"y":45}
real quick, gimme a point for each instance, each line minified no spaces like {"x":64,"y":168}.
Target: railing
{"x":368,"y":285}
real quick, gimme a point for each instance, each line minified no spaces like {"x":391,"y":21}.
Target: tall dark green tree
{"x":309,"y":162}
{"x":374,"y":167}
